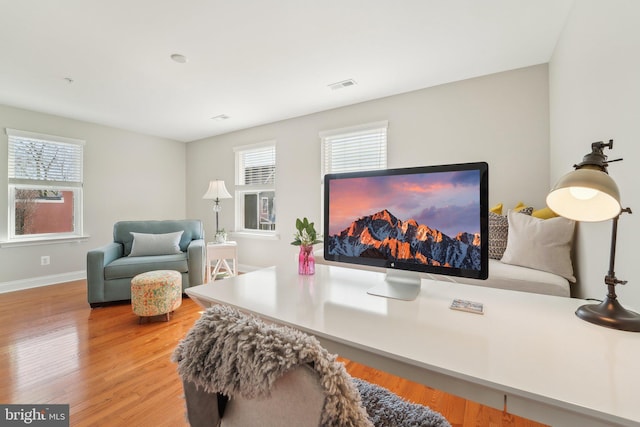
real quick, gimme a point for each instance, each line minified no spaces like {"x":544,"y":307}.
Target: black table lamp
{"x":590,"y":194}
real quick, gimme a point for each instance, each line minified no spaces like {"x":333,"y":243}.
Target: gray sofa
{"x":110,"y":268}
{"x":501,"y":276}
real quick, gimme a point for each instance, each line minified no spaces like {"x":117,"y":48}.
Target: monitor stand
{"x":398,"y":284}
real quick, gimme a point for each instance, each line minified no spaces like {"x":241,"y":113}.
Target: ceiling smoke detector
{"x":342,"y":84}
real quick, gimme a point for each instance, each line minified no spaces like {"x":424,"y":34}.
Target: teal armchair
{"x":110,"y":268}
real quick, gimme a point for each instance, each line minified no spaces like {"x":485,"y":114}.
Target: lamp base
{"x":611,"y":314}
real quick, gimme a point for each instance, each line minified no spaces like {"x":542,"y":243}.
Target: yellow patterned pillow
{"x":497,"y":209}
{"x":544,"y":213}
{"x":519,"y":207}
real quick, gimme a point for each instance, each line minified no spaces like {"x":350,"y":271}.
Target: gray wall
{"x":502,"y":119}
{"x":126,"y":176}
{"x":594,"y":96}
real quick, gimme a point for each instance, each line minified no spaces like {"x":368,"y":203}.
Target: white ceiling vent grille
{"x":342,"y":84}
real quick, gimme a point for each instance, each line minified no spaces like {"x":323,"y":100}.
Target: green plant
{"x":305,"y":233}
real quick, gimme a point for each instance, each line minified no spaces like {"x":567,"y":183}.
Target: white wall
{"x":126,"y":176}
{"x":502,"y":119}
{"x":594,"y":96}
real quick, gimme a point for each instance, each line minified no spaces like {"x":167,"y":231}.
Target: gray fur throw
{"x":386,"y":409}
{"x":239,"y":355}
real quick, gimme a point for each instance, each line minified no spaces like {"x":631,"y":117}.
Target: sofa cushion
{"x":128,"y":267}
{"x":542,"y":244}
{"x":155,"y":244}
{"x":523,"y":279}
{"x":499,"y":231}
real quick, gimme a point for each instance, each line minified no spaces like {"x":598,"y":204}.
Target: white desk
{"x":527,"y":350}
{"x":221,"y":253}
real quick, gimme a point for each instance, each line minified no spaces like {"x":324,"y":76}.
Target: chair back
{"x":240,"y":371}
{"x":192,"y":230}
{"x":296,"y":399}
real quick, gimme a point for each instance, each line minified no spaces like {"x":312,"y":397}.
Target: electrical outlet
{"x":45,"y":260}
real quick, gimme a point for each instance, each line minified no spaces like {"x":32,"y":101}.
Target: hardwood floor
{"x":113,"y":371}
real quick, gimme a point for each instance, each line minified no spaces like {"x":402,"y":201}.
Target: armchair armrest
{"x":196,"y":254}
{"x":106,"y":254}
{"x":97,"y":259}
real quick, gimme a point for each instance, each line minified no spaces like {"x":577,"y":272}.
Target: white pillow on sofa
{"x":543,"y":244}
{"x":499,"y":231}
{"x":155,"y":244}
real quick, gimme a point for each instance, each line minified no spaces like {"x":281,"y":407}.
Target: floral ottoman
{"x":155,"y":293}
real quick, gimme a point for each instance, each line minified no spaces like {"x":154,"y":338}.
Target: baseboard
{"x":36,"y":282}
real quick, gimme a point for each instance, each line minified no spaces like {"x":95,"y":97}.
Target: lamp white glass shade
{"x":585,"y":195}
{"x":217,"y":190}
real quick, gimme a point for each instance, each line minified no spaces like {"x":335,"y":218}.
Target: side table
{"x":221,"y":253}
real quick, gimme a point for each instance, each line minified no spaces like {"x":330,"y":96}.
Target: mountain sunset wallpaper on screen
{"x":422,"y":218}
{"x":446,"y":201}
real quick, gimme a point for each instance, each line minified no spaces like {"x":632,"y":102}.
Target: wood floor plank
{"x":113,"y":371}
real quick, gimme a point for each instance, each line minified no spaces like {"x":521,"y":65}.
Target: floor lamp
{"x":216,"y":192}
{"x":589,"y":194}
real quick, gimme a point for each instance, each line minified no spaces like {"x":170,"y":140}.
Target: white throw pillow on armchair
{"x":145,"y":244}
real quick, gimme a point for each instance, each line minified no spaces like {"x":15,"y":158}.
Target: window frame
{"x":74,"y":185}
{"x":242,"y":189}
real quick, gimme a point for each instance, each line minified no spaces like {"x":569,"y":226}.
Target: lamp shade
{"x":217,"y":190}
{"x":586,"y":194}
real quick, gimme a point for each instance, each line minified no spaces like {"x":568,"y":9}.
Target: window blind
{"x":355,"y":151}
{"x":37,"y":159}
{"x":258,"y":165}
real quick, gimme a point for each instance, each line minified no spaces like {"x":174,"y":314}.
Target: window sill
{"x":250,"y":235}
{"x":43,"y":241}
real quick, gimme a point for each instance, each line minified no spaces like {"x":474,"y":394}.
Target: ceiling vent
{"x":342,"y":84}
{"x":179,"y":58}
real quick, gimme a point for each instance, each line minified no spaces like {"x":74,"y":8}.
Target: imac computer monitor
{"x":431,"y":219}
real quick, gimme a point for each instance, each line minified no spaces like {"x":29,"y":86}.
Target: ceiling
{"x":254,"y":61}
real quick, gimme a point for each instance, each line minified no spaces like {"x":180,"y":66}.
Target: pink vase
{"x":306,"y":261}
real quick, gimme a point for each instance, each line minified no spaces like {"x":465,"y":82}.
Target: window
{"x":255,"y":188}
{"x":354,"y":149}
{"x":45,"y":186}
